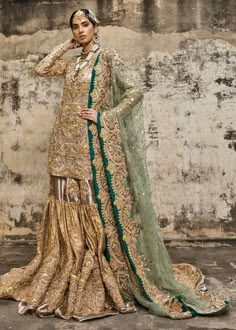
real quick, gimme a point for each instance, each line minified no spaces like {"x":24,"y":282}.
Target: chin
{"x":85,"y":41}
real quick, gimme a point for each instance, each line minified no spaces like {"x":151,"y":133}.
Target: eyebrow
{"x":80,"y":23}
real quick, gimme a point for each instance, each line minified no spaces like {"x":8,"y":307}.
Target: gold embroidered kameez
{"x":70,"y":276}
{"x":99,"y":244}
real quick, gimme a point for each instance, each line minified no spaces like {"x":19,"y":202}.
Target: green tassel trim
{"x":92,"y":156}
{"x":116,"y":211}
{"x":113,"y":197}
{"x":196,"y":313}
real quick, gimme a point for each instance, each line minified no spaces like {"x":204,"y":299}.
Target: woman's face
{"x":83,"y":30}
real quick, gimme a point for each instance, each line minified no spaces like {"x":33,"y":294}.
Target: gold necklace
{"x":79,"y":66}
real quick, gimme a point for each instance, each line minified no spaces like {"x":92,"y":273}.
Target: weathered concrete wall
{"x":184,"y":55}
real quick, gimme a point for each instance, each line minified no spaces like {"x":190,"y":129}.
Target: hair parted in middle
{"x":84,"y":12}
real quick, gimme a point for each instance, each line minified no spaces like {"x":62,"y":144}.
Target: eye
{"x":74,"y":26}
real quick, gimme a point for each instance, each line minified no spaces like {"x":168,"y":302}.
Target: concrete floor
{"x":218,"y":264}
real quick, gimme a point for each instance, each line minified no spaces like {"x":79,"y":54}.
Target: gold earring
{"x":97,"y":39}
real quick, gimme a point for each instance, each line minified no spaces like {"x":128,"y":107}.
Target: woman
{"x":100,"y":247}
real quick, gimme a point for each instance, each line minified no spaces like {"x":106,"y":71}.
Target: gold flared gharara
{"x":70,"y":276}
{"x":100,"y":246}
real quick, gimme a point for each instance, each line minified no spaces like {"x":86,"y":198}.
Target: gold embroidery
{"x":117,"y":259}
{"x":70,"y":264}
{"x":101,"y":93}
{"x":117,"y":168}
{"x":187,"y":274}
{"x":69,"y":148}
{"x":69,"y":153}
{"x":51,"y":65}
{"x":69,"y":267}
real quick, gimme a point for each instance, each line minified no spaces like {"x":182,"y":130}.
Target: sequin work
{"x":68,"y":149}
{"x":96,"y":250}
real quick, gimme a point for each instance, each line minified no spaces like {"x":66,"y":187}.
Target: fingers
{"x":69,"y":44}
{"x":76,"y":43}
{"x":89,"y":114}
{"x":88,"y":110}
{"x":86,"y":114}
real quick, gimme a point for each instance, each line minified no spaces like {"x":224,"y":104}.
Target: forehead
{"x":80,"y":20}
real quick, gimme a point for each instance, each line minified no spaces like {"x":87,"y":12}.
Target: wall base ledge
{"x":169,"y":241}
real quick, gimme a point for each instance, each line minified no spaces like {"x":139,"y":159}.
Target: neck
{"x":88,"y":47}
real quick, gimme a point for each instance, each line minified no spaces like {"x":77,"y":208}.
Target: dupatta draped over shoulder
{"x":93,"y":259}
{"x":124,"y":199}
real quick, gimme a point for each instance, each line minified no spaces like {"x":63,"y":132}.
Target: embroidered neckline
{"x":79,"y":66}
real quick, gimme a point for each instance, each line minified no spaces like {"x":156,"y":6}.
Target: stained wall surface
{"x":183,"y":52}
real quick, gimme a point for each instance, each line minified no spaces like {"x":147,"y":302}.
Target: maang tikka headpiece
{"x":88,"y":13}
{"x":91,"y":16}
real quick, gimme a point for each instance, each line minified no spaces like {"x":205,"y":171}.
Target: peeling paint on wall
{"x":140,"y":15}
{"x":190,"y":96}
{"x":194,"y":165}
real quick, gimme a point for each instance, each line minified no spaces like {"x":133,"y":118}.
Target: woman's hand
{"x":89,"y":114}
{"x":71,"y":43}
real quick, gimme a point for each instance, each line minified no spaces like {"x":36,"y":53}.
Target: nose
{"x":81,"y":29}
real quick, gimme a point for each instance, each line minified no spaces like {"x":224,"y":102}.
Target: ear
{"x":96,"y":30}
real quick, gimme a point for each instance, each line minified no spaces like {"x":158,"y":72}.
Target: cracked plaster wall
{"x":184,"y":55}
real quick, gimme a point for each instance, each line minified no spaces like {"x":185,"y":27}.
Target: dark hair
{"x":86,"y":12}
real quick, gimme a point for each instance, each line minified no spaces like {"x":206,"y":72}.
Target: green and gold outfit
{"x":100,"y":247}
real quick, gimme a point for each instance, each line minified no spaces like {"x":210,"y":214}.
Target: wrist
{"x":65,"y":47}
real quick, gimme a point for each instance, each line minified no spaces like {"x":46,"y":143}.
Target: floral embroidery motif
{"x":69,"y":148}
{"x":70,"y":264}
{"x":185,"y":273}
{"x":117,"y":176}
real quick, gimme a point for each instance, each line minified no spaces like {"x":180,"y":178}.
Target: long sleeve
{"x":130,"y":93}
{"x":52,"y":65}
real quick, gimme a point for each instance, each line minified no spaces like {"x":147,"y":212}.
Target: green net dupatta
{"x":165,"y":289}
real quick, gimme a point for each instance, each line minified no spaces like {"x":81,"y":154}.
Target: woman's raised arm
{"x":52,"y":65}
